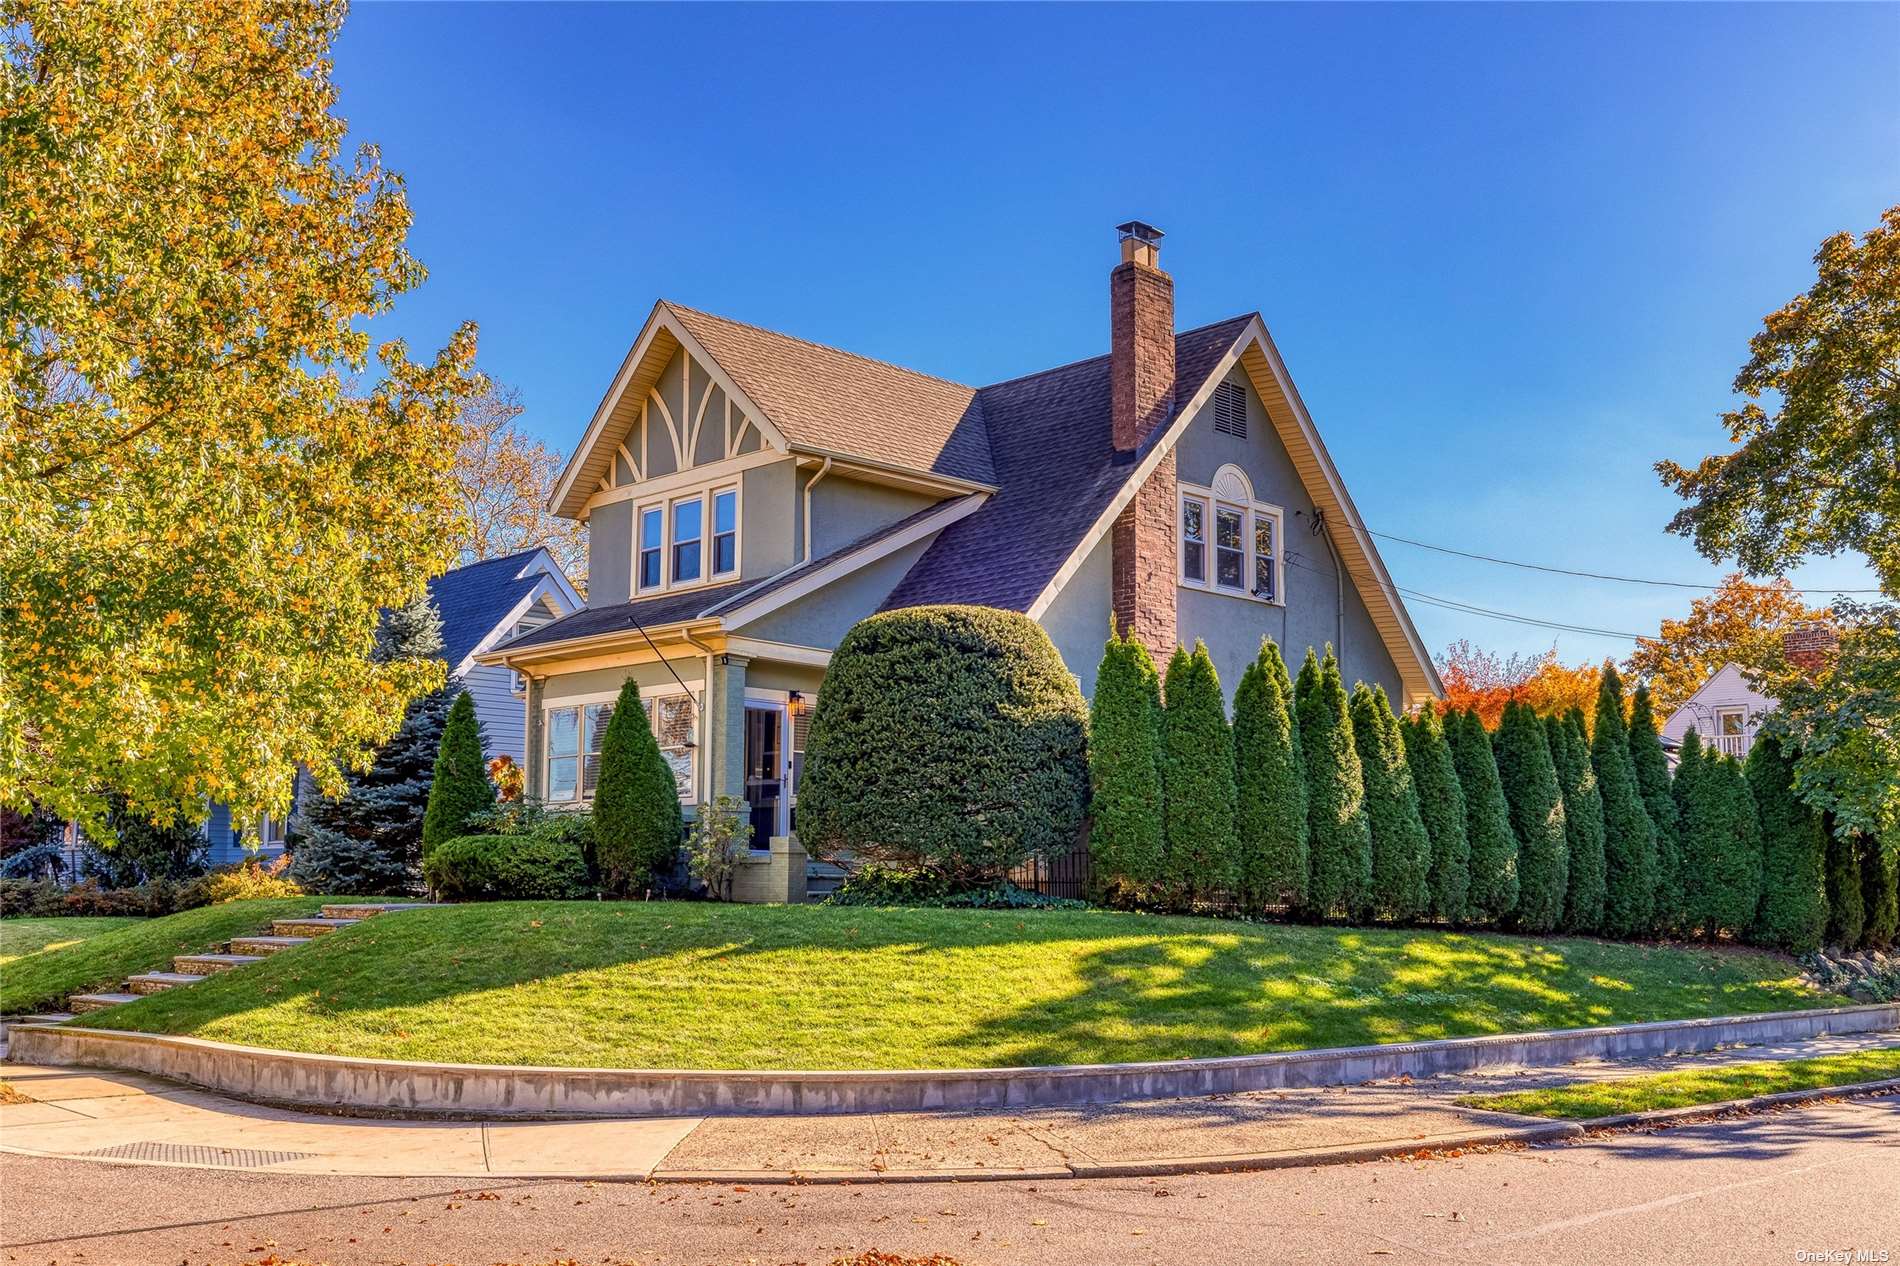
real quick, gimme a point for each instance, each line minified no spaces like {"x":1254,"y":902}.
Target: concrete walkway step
{"x":368,"y":909}
{"x":45,"y":1017}
{"x":81,"y":1002}
{"x":210,"y":964}
{"x":249,"y":945}
{"x":309,"y":927}
{"x":159,"y":981}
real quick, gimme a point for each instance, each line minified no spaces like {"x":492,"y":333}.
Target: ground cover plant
{"x":1583,"y":1101}
{"x":708,"y":985}
{"x":47,"y":978}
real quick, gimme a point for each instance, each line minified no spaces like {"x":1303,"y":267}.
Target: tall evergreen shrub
{"x":1846,"y":904}
{"x":1583,"y":821}
{"x":1720,"y":840}
{"x":1652,"y":781}
{"x":1270,"y":809}
{"x":1401,"y":850}
{"x":637,"y":820}
{"x":1441,"y":806}
{"x":1529,"y":778}
{"x":1629,"y":840}
{"x":1126,"y":841}
{"x":1792,"y":914}
{"x":1493,"y":889}
{"x":1197,"y":778}
{"x":1880,"y":894}
{"x":1338,"y":835}
{"x":460,"y":788}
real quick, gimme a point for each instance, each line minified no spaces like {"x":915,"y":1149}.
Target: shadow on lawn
{"x":1115,"y":987}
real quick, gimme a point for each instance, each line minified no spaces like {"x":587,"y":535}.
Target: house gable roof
{"x":478,"y":600}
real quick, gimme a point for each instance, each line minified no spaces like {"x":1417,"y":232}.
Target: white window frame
{"x":1233,"y":491}
{"x":708,"y":498}
{"x":648,"y":698}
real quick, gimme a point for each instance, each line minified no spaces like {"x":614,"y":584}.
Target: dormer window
{"x":1246,"y":536}
{"x":687,"y":540}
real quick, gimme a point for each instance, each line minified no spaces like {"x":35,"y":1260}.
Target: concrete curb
{"x":422,"y":1089}
{"x":1702,"y":1111}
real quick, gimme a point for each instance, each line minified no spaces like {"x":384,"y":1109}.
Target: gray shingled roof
{"x":791,"y":574}
{"x":1056,"y":471}
{"x":623,"y":617}
{"x":472,"y":600}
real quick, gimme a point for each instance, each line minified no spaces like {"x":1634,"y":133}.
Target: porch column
{"x":535,"y":774}
{"x":724,"y":733}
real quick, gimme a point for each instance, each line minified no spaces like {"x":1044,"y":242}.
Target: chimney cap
{"x":1140,"y":230}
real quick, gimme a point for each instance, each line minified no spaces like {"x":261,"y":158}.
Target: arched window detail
{"x":1231,"y":543}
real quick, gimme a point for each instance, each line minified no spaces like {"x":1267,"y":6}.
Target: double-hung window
{"x":687,"y":540}
{"x":1241,"y":534}
{"x":574,"y":738}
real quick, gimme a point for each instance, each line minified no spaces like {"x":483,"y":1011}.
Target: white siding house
{"x":1725,"y":712}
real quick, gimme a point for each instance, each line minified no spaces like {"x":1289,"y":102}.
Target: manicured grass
{"x":46,"y":979}
{"x":700,"y":985}
{"x":1586,"y":1100}
{"x":20,"y":937}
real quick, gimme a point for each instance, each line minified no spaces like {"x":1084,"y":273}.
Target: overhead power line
{"x":1566,"y":571}
{"x":1467,"y":608}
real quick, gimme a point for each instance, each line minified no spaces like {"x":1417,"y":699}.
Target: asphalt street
{"x":1766,"y":1188}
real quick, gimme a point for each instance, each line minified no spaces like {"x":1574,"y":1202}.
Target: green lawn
{"x":45,"y":979}
{"x":1583,"y":1101}
{"x":700,"y":985}
{"x":20,"y":937}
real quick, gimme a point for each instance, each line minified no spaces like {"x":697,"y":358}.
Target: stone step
{"x":368,"y":909}
{"x":250,"y":945}
{"x":99,"y":1001}
{"x":46,"y":1017}
{"x":159,"y":981}
{"x":208,"y":964}
{"x":309,"y":927}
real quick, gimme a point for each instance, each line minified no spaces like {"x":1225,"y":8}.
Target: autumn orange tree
{"x":198,"y":521}
{"x":1738,"y":622}
{"x":504,"y":475}
{"x":1484,"y":682}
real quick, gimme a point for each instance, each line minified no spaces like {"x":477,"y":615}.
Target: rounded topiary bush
{"x":949,"y":737}
{"x":505,"y":868}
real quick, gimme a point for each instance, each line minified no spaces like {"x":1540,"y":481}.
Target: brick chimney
{"x":1141,"y":393}
{"x":1809,"y":645}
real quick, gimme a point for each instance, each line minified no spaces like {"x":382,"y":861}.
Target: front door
{"x":765,"y":771}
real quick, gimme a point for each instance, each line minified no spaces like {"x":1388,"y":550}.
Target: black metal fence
{"x":1063,"y":875}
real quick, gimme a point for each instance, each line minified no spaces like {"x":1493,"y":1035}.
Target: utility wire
{"x":1455,"y":604}
{"x":1587,"y":575}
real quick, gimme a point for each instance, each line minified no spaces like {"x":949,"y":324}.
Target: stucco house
{"x":481,"y":604}
{"x":749,"y":496}
{"x":1727,"y":710}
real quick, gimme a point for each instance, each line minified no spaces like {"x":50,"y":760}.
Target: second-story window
{"x":688,"y":524}
{"x":725,"y":550}
{"x":652,"y":546}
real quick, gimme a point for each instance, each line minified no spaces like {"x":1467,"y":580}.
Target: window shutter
{"x":1230,"y":410}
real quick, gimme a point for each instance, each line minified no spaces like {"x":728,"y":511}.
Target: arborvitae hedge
{"x":1529,"y":778}
{"x":1880,"y":894}
{"x":1629,"y":841}
{"x":1197,"y":779}
{"x":950,"y":737}
{"x":637,"y":821}
{"x":1792,"y":914}
{"x":460,"y":788}
{"x":1721,"y":843}
{"x":1401,"y":850}
{"x":1270,"y":811}
{"x":1338,"y":835}
{"x":1652,"y":782}
{"x":1126,"y":841}
{"x":1846,"y":905}
{"x":1493,"y":890}
{"x":1441,"y":806}
{"x":1583,"y":821}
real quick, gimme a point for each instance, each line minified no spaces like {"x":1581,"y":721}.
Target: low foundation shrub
{"x":241,"y":882}
{"x":505,"y":868}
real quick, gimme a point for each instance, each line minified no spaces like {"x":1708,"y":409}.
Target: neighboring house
{"x":1727,"y":710}
{"x":481,"y":605}
{"x":749,"y":496}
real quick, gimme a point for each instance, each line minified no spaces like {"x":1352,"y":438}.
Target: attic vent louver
{"x":1230,"y":410}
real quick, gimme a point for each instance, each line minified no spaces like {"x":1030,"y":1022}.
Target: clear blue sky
{"x":1512,"y":255}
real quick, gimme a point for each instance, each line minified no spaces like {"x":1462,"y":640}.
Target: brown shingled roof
{"x":839,"y":402}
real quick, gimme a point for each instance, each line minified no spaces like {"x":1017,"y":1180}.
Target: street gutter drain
{"x":196,"y":1154}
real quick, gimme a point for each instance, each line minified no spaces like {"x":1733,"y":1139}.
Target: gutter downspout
{"x":810,"y":484}
{"x":1339,"y":580}
{"x":705,"y":712}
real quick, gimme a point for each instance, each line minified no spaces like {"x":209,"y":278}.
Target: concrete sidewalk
{"x":127,"y":1118}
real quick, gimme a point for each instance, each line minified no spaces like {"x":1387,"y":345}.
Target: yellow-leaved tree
{"x":198,"y":522}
